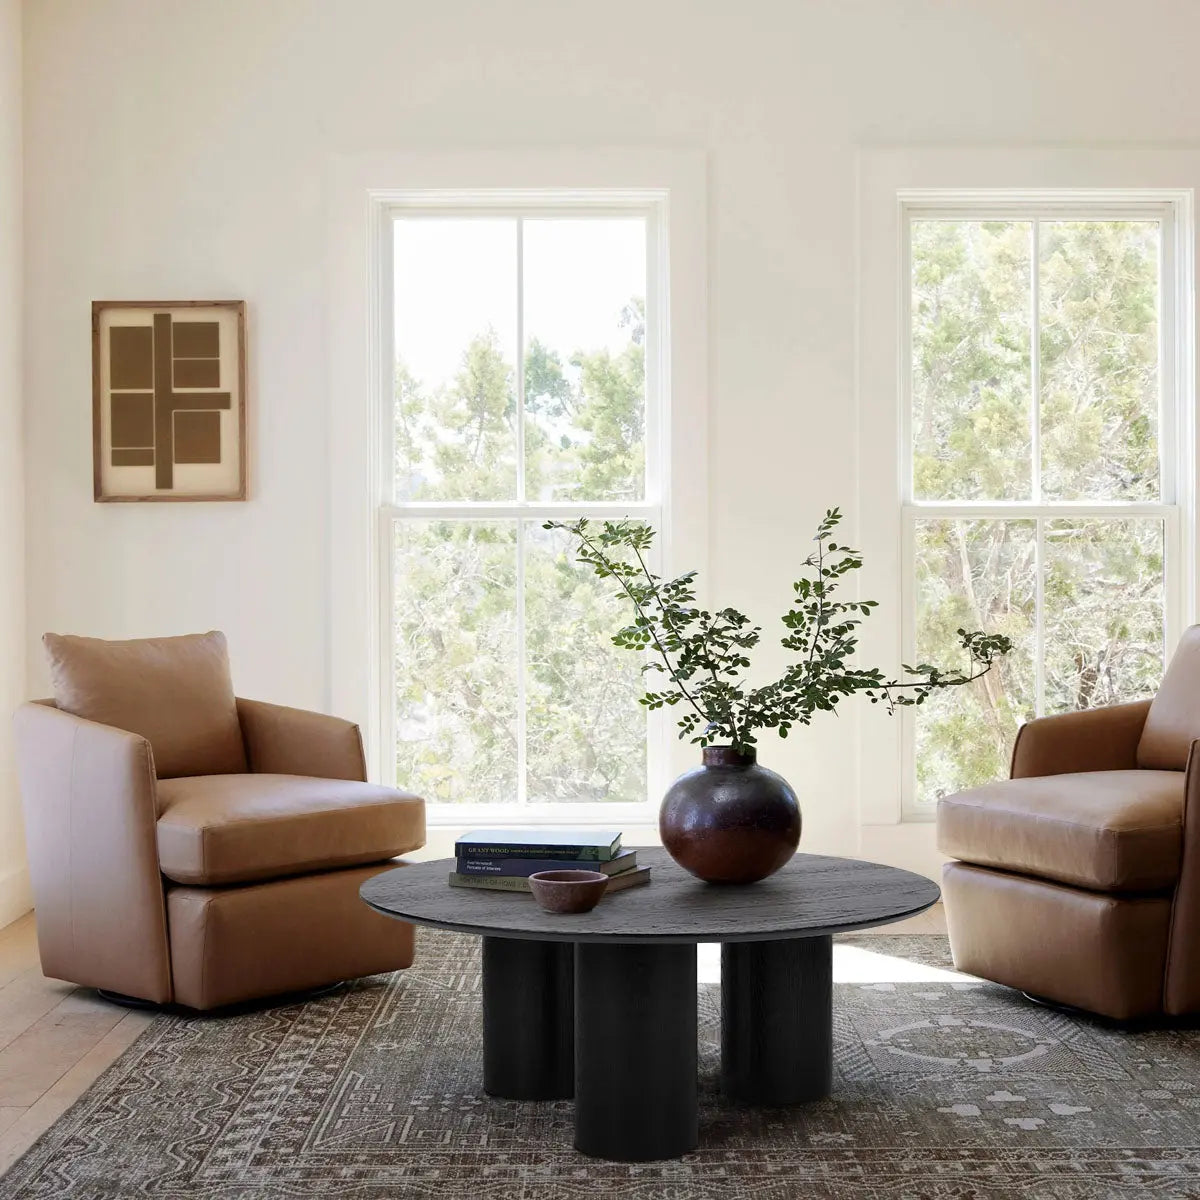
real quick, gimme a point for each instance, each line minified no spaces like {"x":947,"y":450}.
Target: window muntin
{"x":523,"y":341}
{"x":1039,"y":499}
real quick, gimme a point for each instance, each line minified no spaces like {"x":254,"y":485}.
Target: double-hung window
{"x":1041,"y":463}
{"x":528,"y":349}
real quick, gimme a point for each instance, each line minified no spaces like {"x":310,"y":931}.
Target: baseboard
{"x":16,"y":894}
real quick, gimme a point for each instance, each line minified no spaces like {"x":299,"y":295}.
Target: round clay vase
{"x":730,"y":821}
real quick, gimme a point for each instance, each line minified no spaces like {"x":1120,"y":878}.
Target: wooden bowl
{"x":568,"y":891}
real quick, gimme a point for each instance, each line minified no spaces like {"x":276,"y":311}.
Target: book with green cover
{"x":517,"y":883}
{"x":574,"y":845}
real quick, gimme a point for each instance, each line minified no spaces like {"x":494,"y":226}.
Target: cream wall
{"x":179,"y":149}
{"x":14,"y":881}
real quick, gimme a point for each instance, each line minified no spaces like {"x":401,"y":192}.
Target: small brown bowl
{"x":568,"y":891}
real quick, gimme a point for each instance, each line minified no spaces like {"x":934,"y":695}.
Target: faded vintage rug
{"x":945,"y":1087}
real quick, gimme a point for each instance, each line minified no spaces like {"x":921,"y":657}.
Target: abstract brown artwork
{"x":168,"y":400}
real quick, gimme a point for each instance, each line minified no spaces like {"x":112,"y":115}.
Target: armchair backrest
{"x":176,"y":692}
{"x":1173,"y":722}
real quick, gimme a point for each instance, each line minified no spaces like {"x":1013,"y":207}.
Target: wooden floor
{"x":56,"y":1039}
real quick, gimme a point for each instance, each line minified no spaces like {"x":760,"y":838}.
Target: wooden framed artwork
{"x":169,"y":400}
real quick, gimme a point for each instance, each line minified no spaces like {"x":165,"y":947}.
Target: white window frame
{"x":1036,"y":209}
{"x":650,"y":206}
{"x":363,"y":192}
{"x":889,"y":178}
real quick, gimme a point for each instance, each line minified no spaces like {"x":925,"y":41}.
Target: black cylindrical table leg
{"x":528,"y":1019}
{"x":635,"y":1050}
{"x":777,"y":1020}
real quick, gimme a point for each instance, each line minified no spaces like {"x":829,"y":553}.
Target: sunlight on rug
{"x":873,"y":963}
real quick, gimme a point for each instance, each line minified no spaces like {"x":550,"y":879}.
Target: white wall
{"x":14,"y":880}
{"x":178,"y":149}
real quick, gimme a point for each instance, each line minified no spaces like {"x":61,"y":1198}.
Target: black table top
{"x":812,"y":896}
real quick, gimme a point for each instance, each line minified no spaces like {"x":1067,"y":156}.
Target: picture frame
{"x":168,"y":400}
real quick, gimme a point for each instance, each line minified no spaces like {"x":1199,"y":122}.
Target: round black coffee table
{"x":602,"y":1006}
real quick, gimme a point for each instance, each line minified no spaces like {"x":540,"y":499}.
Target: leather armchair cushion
{"x":175,"y":692}
{"x":221,"y":829}
{"x":1111,"y":831}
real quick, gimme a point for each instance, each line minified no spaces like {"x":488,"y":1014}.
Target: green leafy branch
{"x":704,"y":655}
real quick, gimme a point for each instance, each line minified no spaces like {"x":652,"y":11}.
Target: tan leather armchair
{"x":1078,"y":879}
{"x":202,"y":887}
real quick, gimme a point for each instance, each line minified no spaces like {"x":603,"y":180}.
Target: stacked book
{"x":503,"y":859}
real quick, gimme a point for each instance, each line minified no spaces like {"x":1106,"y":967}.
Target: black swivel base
{"x":224,"y":1010}
{"x":777,"y":1020}
{"x":129,"y":1001}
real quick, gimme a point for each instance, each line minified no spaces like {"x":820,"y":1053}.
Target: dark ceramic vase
{"x":730,"y":821}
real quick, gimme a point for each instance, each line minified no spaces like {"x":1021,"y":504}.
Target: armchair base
{"x":1102,"y":953}
{"x":234,"y":944}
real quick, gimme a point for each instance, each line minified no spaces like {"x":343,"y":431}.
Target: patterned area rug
{"x":945,"y":1088}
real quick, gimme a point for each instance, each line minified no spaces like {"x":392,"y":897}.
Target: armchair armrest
{"x":293,"y":741}
{"x":1094,"y":739}
{"x":88,"y":792}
